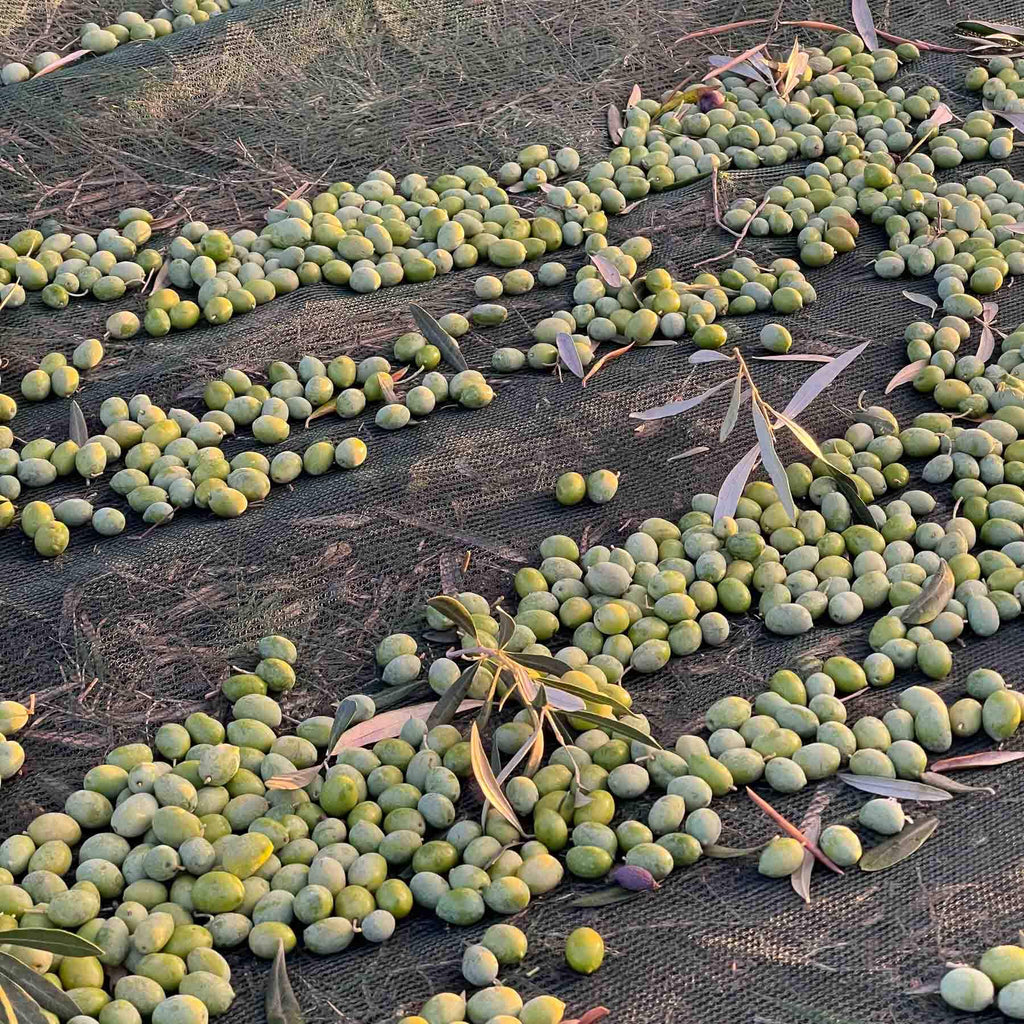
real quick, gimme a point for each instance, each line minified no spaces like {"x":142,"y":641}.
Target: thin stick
{"x":739,"y":237}
{"x":793,"y":831}
{"x":824,"y":26}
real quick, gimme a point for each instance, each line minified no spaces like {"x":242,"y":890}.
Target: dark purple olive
{"x":710,"y":100}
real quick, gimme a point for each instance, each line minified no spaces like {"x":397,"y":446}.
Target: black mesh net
{"x":118,"y":636}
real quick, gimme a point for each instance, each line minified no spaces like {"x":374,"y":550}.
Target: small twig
{"x":739,"y":237}
{"x":465,"y":562}
{"x":793,"y":831}
{"x":714,"y":199}
{"x":823,"y":26}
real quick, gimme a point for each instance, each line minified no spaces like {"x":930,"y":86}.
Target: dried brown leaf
{"x":983,"y":759}
{"x":607,"y":358}
{"x":62,"y":63}
{"x":635,"y":96}
{"x":730,"y":64}
{"x":297,"y":194}
{"x":615,"y":129}
{"x":908,"y":373}
{"x":323,"y":410}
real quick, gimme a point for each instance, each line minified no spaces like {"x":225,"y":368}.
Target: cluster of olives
{"x":172,"y":461}
{"x":54,"y":375}
{"x":128,"y":27}
{"x":60,"y":266}
{"x":999,"y":83}
{"x":998,"y":978}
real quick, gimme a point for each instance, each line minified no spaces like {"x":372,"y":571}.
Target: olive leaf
{"x":444,"y":710}
{"x":820,"y":379}
{"x":607,"y":271}
{"x":10,"y":1017}
{"x":567,"y":351}
{"x":389,"y":725}
{"x":454,"y":609}
{"x":898,"y":789}
{"x":281,"y":1005}
{"x":540,"y":663}
{"x":614,"y":125}
{"x":794,"y":66}
{"x":951,"y":785}
{"x":850,"y":491}
{"x":987,"y":344}
{"x":772,"y":462}
{"x":605,"y":897}
{"x":675,"y":408}
{"x":865,"y":24}
{"x":488,"y":783}
{"x":932,"y":599}
{"x":801,"y":435}
{"x":48,"y":996}
{"x":635,"y":96}
{"x":879,"y":424}
{"x":732,"y":414}
{"x":795,"y":357}
{"x":52,"y":940}
{"x":983,"y":759}
{"x":398,"y":695}
{"x":612,"y":726}
{"x":524,"y":749}
{"x":437,"y":335}
{"x":746,"y":69}
{"x":77,"y":429}
{"x":607,"y":358}
{"x":26,"y":1009}
{"x":800,"y":879}
{"x":689,"y":451}
{"x":922,"y":300}
{"x":729,"y":852}
{"x":709,"y":355}
{"x":908,"y":373}
{"x":1017,"y":120}
{"x":732,"y":487}
{"x":988,"y":28}
{"x":295,"y":780}
{"x":342,"y":719}
{"x":616,"y":705}
{"x":506,"y":627}
{"x":734,"y":62}
{"x":485,"y":712}
{"x":900,"y":846}
{"x":323,"y":410}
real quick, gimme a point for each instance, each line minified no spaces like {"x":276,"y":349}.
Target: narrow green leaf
{"x":800,"y":434}
{"x":525,"y":749}
{"x":605,"y":897}
{"x":932,"y":599}
{"x":26,"y":1009}
{"x":455,"y":610}
{"x":613,"y":726}
{"x":988,"y":28}
{"x":899,"y":847}
{"x":438,"y":336}
{"x":772,"y":462}
{"x":281,"y":1004}
{"x":951,"y":785}
{"x":579,"y":691}
{"x":848,"y":489}
{"x":77,"y":429}
{"x":820,"y":379}
{"x":540,"y":663}
{"x":400,"y":695}
{"x":506,"y":627}
{"x":52,"y":940}
{"x":732,"y":414}
{"x":728,"y":852}
{"x":487,"y":710}
{"x":342,"y":719}
{"x":488,"y":783}
{"x":48,"y":996}
{"x":444,"y":710}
